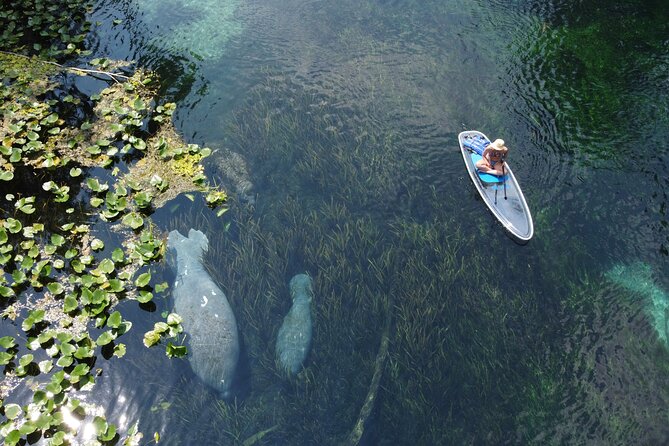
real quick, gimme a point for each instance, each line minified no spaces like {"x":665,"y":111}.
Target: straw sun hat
{"x":498,"y":144}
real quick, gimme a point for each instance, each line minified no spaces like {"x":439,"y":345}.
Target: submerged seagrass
{"x":207,"y":316}
{"x":294,"y":339}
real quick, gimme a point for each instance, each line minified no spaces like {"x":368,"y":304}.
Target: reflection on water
{"x":344,"y":119}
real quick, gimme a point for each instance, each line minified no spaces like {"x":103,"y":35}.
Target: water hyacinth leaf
{"x":123,"y":328}
{"x":46,"y":336}
{"x":33,"y":343}
{"x":13,"y":225}
{"x":134,"y":220}
{"x":116,"y":285}
{"x":75,"y":172}
{"x":70,"y":253}
{"x":57,"y":239}
{"x":105,"y":338}
{"x":70,"y":304}
{"x":84,"y":352}
{"x":7,"y":342}
{"x":39,"y":396}
{"x":114,"y":320}
{"x":50,"y":119}
{"x":3,"y":236}
{"x":27,"y":262}
{"x":143,"y":199}
{"x":175,"y":351}
{"x":119,"y":350}
{"x":64,"y":361}
{"x":144,"y":296}
{"x":118,"y":256}
{"x":6,"y":291}
{"x":64,"y":336}
{"x":45,"y":366}
{"x":138,"y":104}
{"x":109,"y":434}
{"x":15,"y":157}
{"x":6,"y":175}
{"x":94,"y":185}
{"x":58,"y":263}
{"x":80,"y":370}
{"x":174,"y":319}
{"x":106,"y":266}
{"x":13,"y":437}
{"x":67,"y":349}
{"x":151,"y":338}
{"x":26,"y":359}
{"x":27,"y":209}
{"x":159,"y":288}
{"x":96,"y":201}
{"x":160,"y":327}
{"x":12,"y":411}
{"x":6,"y":358}
{"x":97,"y":244}
{"x":94,"y":150}
{"x":143,"y":279}
{"x":100,"y":425}
{"x":55,"y":288}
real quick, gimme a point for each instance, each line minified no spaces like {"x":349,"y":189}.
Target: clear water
{"x":346,"y":115}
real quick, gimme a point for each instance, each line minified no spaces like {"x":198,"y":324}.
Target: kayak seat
{"x":476,"y":143}
{"x":487,"y":177}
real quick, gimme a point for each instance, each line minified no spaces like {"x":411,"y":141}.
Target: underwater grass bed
{"x":467,"y":360}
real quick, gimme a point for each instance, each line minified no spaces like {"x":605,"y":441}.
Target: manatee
{"x":208,"y":319}
{"x":235,"y":173}
{"x":638,"y":278}
{"x":294,"y":339}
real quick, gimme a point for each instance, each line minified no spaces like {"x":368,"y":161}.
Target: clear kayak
{"x":502,"y":195}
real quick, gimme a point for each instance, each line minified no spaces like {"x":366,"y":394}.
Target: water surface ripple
{"x":346,"y":115}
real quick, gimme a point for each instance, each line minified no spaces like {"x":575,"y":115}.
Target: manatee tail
{"x":192,"y":246}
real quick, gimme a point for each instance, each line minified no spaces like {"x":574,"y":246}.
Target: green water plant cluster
{"x":48,"y":28}
{"x":71,"y":166}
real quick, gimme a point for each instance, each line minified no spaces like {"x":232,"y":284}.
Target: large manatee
{"x":294,"y":339}
{"x":208,"y":319}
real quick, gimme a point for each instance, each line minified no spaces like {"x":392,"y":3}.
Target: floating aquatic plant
{"x":60,"y":279}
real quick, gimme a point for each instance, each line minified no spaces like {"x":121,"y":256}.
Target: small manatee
{"x":294,"y":339}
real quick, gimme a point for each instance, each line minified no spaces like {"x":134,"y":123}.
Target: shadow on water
{"x":347,"y":117}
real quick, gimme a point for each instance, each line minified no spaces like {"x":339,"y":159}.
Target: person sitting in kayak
{"x":492,"y":158}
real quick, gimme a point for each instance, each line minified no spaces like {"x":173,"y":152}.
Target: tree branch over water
{"x":113,"y":76}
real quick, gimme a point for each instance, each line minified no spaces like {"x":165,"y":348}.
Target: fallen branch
{"x":112,"y":76}
{"x":358,"y":430}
